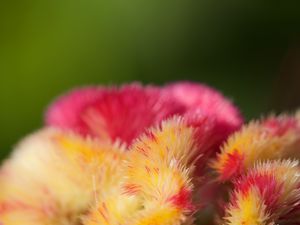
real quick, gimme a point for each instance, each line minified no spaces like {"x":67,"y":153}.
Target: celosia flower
{"x":76,"y":170}
{"x":70,"y":173}
{"x":156,"y":185}
{"x":124,"y":113}
{"x":111,"y":113}
{"x":271,"y":138}
{"x":269,"y":194}
{"x":53,"y":177}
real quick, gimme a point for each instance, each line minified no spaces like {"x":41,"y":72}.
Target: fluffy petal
{"x":124,"y":113}
{"x":112,"y":113}
{"x":53,"y":177}
{"x":271,"y":138}
{"x":201,"y":99}
{"x":268,"y":194}
{"x":157,"y":173}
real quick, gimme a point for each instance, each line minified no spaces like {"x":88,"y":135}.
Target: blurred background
{"x":250,"y":50}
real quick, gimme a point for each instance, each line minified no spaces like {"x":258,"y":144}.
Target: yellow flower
{"x":156,"y":186}
{"x":53,"y":178}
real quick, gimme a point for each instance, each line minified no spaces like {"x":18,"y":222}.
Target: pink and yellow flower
{"x":270,"y":138}
{"x":268,"y":194}
{"x":125,"y":113}
{"x":156,"y":185}
{"x":135,"y":155}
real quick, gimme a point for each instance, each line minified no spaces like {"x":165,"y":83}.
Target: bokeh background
{"x":250,"y":50}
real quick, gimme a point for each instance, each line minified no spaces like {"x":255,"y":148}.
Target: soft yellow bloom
{"x":156,"y":187}
{"x":53,"y":177}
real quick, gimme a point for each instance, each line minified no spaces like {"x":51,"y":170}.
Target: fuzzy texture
{"x":156,"y":186}
{"x":139,"y":155}
{"x":112,"y":113}
{"x":271,"y":138}
{"x":83,"y":180}
{"x":268,"y":194}
{"x":53,"y":177}
{"x":123,"y":113}
{"x":201,"y":99}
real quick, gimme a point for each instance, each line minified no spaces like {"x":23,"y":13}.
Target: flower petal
{"x":268,"y":194}
{"x":157,"y":174}
{"x":199,"y":98}
{"x":126,"y":112}
{"x":270,"y":138}
{"x":53,"y":177}
{"x":111,"y":113}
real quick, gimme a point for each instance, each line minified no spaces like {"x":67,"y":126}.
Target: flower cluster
{"x":149,"y":155}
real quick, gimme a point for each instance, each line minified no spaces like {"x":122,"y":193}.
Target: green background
{"x":247,"y":49}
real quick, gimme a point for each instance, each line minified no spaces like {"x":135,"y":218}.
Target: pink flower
{"x":125,"y":112}
{"x":141,"y":154}
{"x":201,"y":99}
{"x":111,"y":113}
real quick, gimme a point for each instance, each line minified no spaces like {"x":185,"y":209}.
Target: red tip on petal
{"x":266,"y":184}
{"x":206,"y":140}
{"x":233,"y":165}
{"x":182,"y":200}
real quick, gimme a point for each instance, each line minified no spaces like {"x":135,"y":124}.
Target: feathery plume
{"x":76,"y":170}
{"x":157,"y":175}
{"x":271,"y":138}
{"x":111,"y":113}
{"x":53,"y":178}
{"x":126,"y":112}
{"x":268,"y":194}
{"x":202,"y":99}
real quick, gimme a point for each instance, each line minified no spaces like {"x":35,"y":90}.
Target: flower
{"x":125,"y":113}
{"x":270,"y":138}
{"x":111,"y":113}
{"x":268,"y":194}
{"x":156,"y":183}
{"x":201,"y":99}
{"x":53,"y":176}
{"x":135,"y":155}
{"x":118,"y":155}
